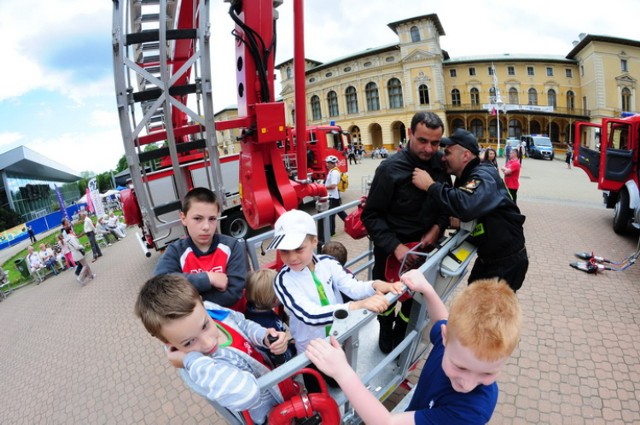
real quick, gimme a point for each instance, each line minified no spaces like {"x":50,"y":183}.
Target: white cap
{"x":291,"y":229}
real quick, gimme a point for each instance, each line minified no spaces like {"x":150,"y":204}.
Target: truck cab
{"x":608,"y":153}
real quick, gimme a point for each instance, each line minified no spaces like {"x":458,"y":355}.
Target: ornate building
{"x":373,"y":94}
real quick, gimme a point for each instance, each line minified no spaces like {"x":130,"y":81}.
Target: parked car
{"x":538,"y":146}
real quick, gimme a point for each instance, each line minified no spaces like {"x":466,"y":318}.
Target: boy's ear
{"x":443,"y":329}
{"x":183,"y":217}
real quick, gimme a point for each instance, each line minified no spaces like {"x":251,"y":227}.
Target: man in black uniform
{"x":397,"y":212}
{"x":479,"y":193}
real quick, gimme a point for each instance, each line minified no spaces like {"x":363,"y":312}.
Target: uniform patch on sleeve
{"x":471,"y":185}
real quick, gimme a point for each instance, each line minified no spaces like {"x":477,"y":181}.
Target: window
{"x":389,"y":59}
{"x":332,"y":103}
{"x":394,"y":89}
{"x":584,"y":103}
{"x":511,"y":70}
{"x":581,"y":71}
{"x":571,"y":100}
{"x":492,"y":94}
{"x":312,"y":79}
{"x":415,"y":34}
{"x":455,"y":97}
{"x":328,"y":74}
{"x":472,"y":71}
{"x":316,"y":110}
{"x":551,"y":98}
{"x":624,"y":67}
{"x":367,"y":64}
{"x":347,"y":69}
{"x":477,"y":128}
{"x":289,"y":72}
{"x":530,"y":71}
{"x":423,"y":92}
{"x":475,"y":96}
{"x":513,"y":96}
{"x":373,"y":99}
{"x":533,"y":96}
{"x":568,"y":72}
{"x":452,"y":73}
{"x":626,"y":99}
{"x":352,"y":100}
{"x":457,"y":123}
{"x":490,"y":70}
{"x":549,"y":71}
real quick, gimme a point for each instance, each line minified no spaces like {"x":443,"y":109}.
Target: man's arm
{"x":376,"y":209}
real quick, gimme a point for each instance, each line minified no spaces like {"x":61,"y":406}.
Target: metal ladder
{"x":162,"y":72}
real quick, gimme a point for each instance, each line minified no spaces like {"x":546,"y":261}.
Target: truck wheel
{"x":621,"y":213}
{"x":236,"y":226}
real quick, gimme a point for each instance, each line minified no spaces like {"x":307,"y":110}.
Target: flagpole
{"x":498,"y":102}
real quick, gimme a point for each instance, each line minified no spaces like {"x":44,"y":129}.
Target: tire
{"x":621,"y":213}
{"x":236,"y":226}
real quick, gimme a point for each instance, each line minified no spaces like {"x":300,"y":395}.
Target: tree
{"x":122,"y":164}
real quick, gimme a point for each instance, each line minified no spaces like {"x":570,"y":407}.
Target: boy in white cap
{"x":309,"y":285}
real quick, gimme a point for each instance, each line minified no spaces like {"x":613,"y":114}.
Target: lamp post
{"x":498,"y":106}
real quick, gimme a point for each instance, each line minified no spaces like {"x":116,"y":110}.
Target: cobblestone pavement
{"x":77,"y":355}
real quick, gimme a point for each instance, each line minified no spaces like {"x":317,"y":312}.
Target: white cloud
{"x":10,"y":140}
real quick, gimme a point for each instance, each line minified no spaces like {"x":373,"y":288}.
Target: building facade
{"x":29,"y":181}
{"x":373,"y":94}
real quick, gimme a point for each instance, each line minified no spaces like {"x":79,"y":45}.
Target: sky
{"x":57,"y":94}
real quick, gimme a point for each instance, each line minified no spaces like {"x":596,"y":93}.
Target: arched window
{"x":415,"y":34}
{"x":332,"y":103}
{"x":513,"y":96}
{"x":373,"y":98}
{"x":551,"y":98}
{"x":477,"y":128}
{"x":533,"y":96}
{"x":394,"y":88}
{"x":352,"y":100}
{"x":316,"y":110}
{"x":515,"y":129}
{"x":535,"y":128}
{"x":626,"y":99}
{"x":571,"y":100}
{"x":423,"y":93}
{"x":475,"y":96}
{"x":457,"y":123}
{"x":455,"y":97}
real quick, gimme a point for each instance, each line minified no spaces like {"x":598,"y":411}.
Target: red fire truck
{"x":164,"y":95}
{"x":608,"y":153}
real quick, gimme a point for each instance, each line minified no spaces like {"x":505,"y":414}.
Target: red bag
{"x":353,"y":225}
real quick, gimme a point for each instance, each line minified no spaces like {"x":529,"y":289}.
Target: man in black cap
{"x":397,"y":212}
{"x":479,"y":193}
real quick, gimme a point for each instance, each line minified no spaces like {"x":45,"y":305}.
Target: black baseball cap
{"x":463,"y":138}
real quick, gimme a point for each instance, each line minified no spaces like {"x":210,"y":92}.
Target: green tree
{"x":122,"y":164}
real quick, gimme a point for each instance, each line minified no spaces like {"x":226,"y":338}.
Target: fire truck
{"x":162,"y":68}
{"x":608,"y":153}
{"x":164,"y":95}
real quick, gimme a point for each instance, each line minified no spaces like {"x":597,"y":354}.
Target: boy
{"x":309,"y":286}
{"x":214,"y":264}
{"x":458,"y":382}
{"x":336,"y":250}
{"x":218,"y":357}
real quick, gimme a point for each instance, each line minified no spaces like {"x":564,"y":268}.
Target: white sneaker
{"x":80,"y":280}
{"x":93,"y":276}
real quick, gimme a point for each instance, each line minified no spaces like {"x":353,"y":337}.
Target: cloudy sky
{"x":57,"y":95}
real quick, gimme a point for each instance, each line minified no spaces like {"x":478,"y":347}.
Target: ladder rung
{"x":155,"y":93}
{"x":164,"y":152}
{"x":167,"y":208}
{"x":147,"y":36}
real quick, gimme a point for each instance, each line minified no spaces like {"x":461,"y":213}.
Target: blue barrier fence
{"x":41,"y":225}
